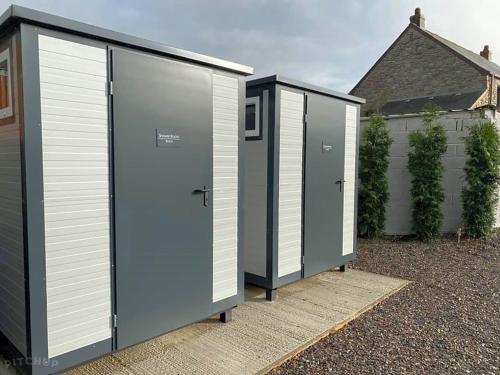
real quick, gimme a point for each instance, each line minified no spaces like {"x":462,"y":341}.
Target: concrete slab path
{"x":262,"y":334}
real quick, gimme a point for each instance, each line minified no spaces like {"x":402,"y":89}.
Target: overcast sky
{"x":331,"y":43}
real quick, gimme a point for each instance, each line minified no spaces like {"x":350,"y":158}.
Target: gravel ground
{"x":446,"y":322}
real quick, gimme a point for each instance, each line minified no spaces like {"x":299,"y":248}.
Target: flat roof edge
{"x":303,"y":85}
{"x":16,"y":13}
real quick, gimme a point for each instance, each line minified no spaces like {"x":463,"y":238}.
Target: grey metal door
{"x":323,"y":196}
{"x":162,"y":113}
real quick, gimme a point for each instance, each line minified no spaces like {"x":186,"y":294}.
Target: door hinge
{"x":302,"y":259}
{"x":114,"y":321}
{"x":110,"y":88}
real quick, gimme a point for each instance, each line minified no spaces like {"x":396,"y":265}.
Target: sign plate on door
{"x":167,"y":138}
{"x":327,"y":147}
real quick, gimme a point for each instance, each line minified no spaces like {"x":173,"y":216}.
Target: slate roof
{"x":472,"y":57}
{"x":450,"y":102}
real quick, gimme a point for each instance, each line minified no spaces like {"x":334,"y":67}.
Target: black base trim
{"x":332,"y":266}
{"x":45,"y":366}
{"x":72,"y":359}
{"x":225,"y":304}
{"x":257,"y":280}
{"x":271,"y":294}
{"x":288,"y":279}
{"x":12,"y":357}
{"x":226,"y":316}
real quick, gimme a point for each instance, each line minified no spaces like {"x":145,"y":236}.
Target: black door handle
{"x":340,"y":182}
{"x":206,"y":194}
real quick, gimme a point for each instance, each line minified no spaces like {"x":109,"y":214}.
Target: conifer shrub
{"x":482,"y":172}
{"x":425,"y":165}
{"x":374,"y":186}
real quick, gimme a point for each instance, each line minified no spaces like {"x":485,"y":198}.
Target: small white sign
{"x":165,"y":138}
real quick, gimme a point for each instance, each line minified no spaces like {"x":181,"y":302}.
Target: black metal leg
{"x":270,"y":294}
{"x":226,"y":316}
{"x":3,"y":341}
{"x":342,"y":268}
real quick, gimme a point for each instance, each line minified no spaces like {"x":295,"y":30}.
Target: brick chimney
{"x":486,"y":53}
{"x":418,"y":18}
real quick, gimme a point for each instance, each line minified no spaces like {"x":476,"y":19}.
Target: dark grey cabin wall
{"x":255,"y":182}
{"x":12,"y":277}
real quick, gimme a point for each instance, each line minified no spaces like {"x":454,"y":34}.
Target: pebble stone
{"x":446,"y":322}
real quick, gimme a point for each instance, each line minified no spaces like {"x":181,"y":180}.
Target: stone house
{"x":421,"y":67}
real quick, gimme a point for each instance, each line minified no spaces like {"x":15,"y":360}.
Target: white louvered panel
{"x":225,"y":187}
{"x":12,"y":279}
{"x":63,"y":47}
{"x":90,"y":313}
{"x":72,"y":93}
{"x":349,"y":178}
{"x":65,"y":294}
{"x":74,"y":108}
{"x":290,"y":183}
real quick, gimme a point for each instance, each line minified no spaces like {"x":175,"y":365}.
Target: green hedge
{"x":427,"y":148}
{"x":482,"y":170}
{"x":374,"y":187}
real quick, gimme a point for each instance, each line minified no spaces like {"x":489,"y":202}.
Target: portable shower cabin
{"x":300,"y":181}
{"x":120,"y":177}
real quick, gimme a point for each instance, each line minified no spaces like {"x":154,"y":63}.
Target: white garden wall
{"x":399,"y":208}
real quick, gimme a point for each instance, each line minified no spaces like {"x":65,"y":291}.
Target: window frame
{"x":255,"y":134}
{"x":7,"y":111}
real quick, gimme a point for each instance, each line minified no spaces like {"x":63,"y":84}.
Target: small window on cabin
{"x":5,"y":84}
{"x":252,"y":119}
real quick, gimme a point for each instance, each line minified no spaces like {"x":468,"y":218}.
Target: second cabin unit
{"x":301,"y":166}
